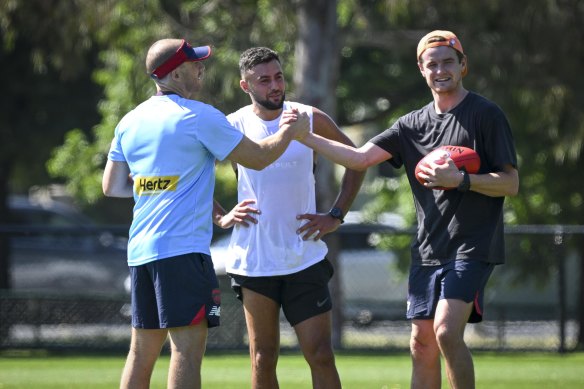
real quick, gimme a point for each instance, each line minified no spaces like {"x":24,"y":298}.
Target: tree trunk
{"x":580,"y":304}
{"x":315,"y":76}
{"x":5,"y":167}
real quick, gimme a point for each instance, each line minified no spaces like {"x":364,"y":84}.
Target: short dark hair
{"x":255,"y":56}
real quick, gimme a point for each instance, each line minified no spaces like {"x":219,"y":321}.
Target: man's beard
{"x":270,"y":105}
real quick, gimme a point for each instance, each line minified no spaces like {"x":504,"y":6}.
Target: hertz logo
{"x":155,"y":185}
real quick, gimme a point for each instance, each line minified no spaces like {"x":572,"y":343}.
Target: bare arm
{"x":352,"y":179}
{"x":116,"y":180}
{"x":357,"y":159}
{"x":496,"y":184}
{"x":504,"y":183}
{"x":258,"y":155}
{"x":319,"y":225}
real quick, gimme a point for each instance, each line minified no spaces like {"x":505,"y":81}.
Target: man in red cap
{"x":163,"y":154}
{"x":459,"y":236}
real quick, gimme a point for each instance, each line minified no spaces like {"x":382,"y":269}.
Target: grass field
{"x":493,"y":371}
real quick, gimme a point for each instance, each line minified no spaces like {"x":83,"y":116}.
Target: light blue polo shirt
{"x":171,"y":144}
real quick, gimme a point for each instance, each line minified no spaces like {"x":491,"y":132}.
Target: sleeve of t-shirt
{"x":115,"y":153}
{"x":388,"y":140}
{"x":498,"y":139}
{"x":217,"y":134}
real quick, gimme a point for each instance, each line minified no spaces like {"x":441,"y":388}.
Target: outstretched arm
{"x":348,"y":156}
{"x":318,"y":225}
{"x":258,"y":155}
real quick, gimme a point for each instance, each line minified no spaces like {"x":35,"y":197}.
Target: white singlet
{"x":283,"y":190}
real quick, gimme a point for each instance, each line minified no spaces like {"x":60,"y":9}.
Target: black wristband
{"x":464,"y":185}
{"x":337,"y":213}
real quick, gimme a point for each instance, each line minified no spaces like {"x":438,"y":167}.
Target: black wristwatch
{"x":464,"y":185}
{"x":337,"y":213}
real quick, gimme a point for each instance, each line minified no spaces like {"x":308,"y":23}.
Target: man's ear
{"x":421,"y":68}
{"x":244,"y":86}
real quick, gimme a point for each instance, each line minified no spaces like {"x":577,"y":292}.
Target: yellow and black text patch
{"x":155,"y":185}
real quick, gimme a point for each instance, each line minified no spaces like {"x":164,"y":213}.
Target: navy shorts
{"x":459,"y":280}
{"x":175,"y":292}
{"x":301,"y":295}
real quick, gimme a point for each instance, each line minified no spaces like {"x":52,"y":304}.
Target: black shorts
{"x":301,"y":295}
{"x":175,"y":292}
{"x":460,"y":280}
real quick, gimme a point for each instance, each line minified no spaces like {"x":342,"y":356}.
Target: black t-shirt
{"x":453,"y":224}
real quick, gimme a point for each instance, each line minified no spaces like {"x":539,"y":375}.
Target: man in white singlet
{"x":276,"y":257}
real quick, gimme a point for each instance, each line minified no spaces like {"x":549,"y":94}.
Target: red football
{"x":463,"y":157}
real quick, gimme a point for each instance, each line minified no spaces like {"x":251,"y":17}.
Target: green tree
{"x":46,"y":58}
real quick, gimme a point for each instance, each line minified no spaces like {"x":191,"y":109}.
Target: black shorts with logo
{"x":301,"y":295}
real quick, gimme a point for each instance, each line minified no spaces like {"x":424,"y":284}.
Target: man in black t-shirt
{"x":459,"y":237}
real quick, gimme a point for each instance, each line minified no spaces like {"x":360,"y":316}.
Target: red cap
{"x":185,"y":53}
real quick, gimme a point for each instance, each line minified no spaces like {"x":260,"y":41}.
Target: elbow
{"x":510,"y":190}
{"x":105,"y":189}
{"x":110,"y":191}
{"x":514,"y":190}
{"x":514,"y":186}
{"x":360,"y":166}
{"x":107,"y":192}
{"x":256,"y":165}
{"x":259,"y":163}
